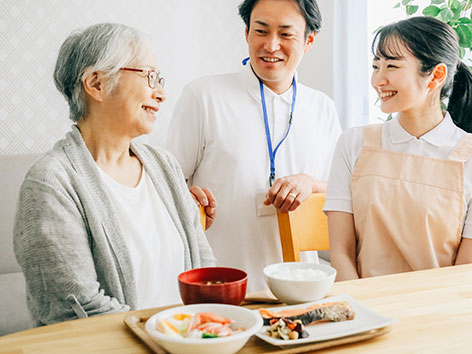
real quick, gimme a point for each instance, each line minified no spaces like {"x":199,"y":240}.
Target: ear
{"x":309,"y":41}
{"x":439,"y":75}
{"x":94,"y":86}
{"x":246,"y":32}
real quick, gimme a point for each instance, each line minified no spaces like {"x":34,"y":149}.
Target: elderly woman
{"x":105,"y":224}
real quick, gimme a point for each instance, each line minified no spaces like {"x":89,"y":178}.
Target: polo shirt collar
{"x":251,"y":82}
{"x":437,"y":136}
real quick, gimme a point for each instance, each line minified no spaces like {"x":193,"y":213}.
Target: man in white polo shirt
{"x":257,"y":136}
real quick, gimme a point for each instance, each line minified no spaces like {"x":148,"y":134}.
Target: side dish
{"x":329,"y":311}
{"x":286,"y":329}
{"x":200,"y":325}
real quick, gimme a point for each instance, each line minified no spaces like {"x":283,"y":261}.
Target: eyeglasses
{"x":153,"y":77}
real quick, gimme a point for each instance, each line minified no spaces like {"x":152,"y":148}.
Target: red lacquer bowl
{"x":213,"y":285}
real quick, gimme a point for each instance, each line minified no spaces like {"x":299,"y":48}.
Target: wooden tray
{"x":254,"y":344}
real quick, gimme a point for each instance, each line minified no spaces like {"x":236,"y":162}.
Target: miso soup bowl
{"x":213,"y":285}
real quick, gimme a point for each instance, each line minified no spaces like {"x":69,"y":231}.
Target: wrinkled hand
{"x":289,"y":192}
{"x":203,"y":196}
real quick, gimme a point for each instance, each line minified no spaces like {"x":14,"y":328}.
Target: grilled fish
{"x":329,"y":311}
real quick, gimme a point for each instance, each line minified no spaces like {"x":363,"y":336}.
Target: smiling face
{"x":276,"y":40}
{"x":399,"y":82}
{"x":133,"y":104}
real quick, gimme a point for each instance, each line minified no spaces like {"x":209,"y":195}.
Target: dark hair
{"x":432,"y":42}
{"x":308,"y":8}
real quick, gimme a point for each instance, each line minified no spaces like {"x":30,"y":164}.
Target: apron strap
{"x":373,"y":135}
{"x":463,"y":150}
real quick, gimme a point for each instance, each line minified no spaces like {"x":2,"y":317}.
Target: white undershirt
{"x":437,"y":143}
{"x":155,"y":245}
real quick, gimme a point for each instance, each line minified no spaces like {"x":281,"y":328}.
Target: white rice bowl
{"x":297,"y":282}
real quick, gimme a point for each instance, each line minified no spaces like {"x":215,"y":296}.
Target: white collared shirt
{"x":218,"y":135}
{"x":437,"y":143}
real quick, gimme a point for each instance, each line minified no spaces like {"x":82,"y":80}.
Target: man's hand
{"x":203,"y":196}
{"x":289,"y":192}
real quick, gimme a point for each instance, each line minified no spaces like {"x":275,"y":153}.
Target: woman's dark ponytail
{"x":460,"y":100}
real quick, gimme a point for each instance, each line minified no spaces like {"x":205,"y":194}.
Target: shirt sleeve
{"x":52,"y":246}
{"x":346,"y":153}
{"x":185,"y":138}
{"x":206,"y":257}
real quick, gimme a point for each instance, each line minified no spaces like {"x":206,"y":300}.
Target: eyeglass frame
{"x":159,"y":81}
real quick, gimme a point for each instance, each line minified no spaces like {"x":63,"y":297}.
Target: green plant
{"x":456,"y":13}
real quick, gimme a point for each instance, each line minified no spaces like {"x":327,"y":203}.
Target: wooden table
{"x":433,"y":309}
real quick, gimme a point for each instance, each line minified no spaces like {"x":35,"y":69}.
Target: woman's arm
{"x":52,"y":246}
{"x":464,"y":254}
{"x":342,"y":241}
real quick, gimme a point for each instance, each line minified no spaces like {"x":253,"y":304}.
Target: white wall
{"x":191,"y":38}
{"x":337,"y":63}
{"x":317,"y":67}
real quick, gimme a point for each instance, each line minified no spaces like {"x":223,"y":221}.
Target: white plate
{"x":365,"y":320}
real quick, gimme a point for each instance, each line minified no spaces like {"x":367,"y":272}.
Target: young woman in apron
{"x":399,"y":193}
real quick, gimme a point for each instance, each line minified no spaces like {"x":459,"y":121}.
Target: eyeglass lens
{"x":154,"y":79}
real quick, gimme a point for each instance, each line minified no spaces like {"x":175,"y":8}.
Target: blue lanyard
{"x":272,"y":153}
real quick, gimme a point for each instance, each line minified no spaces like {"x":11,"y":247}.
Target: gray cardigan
{"x":69,"y":240}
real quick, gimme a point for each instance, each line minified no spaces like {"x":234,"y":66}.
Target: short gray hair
{"x":104,"y":47}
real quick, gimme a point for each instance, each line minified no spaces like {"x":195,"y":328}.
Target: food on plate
{"x":329,"y":311}
{"x":286,"y":329}
{"x":299,"y":274}
{"x":200,"y":325}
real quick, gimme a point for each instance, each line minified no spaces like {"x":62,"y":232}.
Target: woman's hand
{"x":203,"y":196}
{"x":342,"y":244}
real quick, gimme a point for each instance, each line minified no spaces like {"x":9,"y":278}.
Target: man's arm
{"x":185,"y":140}
{"x":342,"y":244}
{"x":52,"y":246}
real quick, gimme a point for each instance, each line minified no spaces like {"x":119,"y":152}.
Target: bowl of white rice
{"x":297,"y":282}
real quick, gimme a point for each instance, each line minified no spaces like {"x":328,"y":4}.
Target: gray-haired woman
{"x":105,"y":224}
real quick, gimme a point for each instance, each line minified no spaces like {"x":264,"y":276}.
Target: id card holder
{"x":261,"y":209}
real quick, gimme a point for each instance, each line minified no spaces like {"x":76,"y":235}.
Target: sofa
{"x":14,"y":314}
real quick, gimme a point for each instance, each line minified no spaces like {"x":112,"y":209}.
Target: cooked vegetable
{"x":286,"y":330}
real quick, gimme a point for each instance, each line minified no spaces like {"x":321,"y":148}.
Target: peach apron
{"x":408,"y":209}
